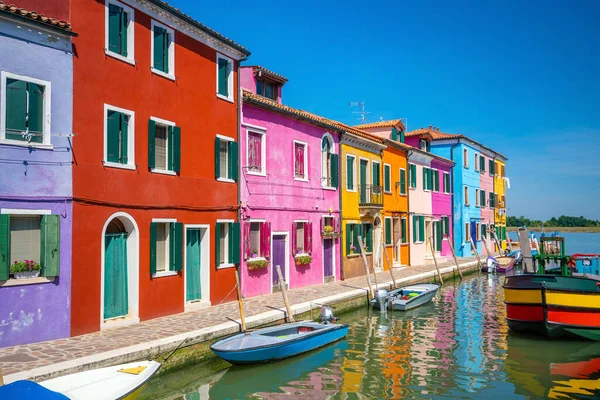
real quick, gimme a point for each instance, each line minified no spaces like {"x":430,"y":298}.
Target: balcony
{"x":370,"y":196}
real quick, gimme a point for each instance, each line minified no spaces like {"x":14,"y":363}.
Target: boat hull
{"x":283,"y":350}
{"x":398,"y":304}
{"x":553,"y":306}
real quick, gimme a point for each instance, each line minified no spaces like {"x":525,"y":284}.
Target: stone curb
{"x":150,"y":349}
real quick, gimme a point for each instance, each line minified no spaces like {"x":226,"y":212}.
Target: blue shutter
{"x":4,"y":247}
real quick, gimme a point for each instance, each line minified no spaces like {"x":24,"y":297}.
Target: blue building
{"x":36,"y":100}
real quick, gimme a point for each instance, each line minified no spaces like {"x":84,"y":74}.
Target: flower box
{"x":330,"y":235}
{"x":257,"y":264}
{"x":25,"y":269}
{"x":26,"y":274}
{"x":303,"y":259}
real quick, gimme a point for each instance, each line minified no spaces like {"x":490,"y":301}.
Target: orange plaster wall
{"x":394,"y":202}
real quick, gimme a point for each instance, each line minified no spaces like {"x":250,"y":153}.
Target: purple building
{"x":36,"y":98}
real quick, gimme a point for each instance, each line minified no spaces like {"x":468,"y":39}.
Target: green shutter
{"x":402,"y":181}
{"x":415,"y":221}
{"x":113,"y":127}
{"x":388,"y":231}
{"x":394,"y":134}
{"x":114,"y":28}
{"x":166,"y":51}
{"x":234,"y":244}
{"x":233,"y":160}
{"x":348,"y":238}
{"x":424,"y":178}
{"x":124,"y":138}
{"x":376,"y":175}
{"x":430,"y":177}
{"x":401,"y":136}
{"x":422,"y":228}
{"x":16,"y":108}
{"x":50,"y":245}
{"x":176,"y":246}
{"x":151,"y":144}
{"x":123,"y":32}
{"x":387,"y":178}
{"x":160,"y":35}
{"x":334,"y":170}
{"x":447,"y":226}
{"x":368,"y":231}
{"x":492,"y":167}
{"x":223,"y":77}
{"x":484,"y":230}
{"x":349,"y":173}
{"x":483,"y":197}
{"x":218,"y":243}
{"x":439,"y":235}
{"x":35,"y":115}
{"x":153,"y":236}
{"x":437,"y":181}
{"x":482,"y":166}
{"x":175,"y":149}
{"x":403,"y":230}
{"x":4,"y":247}
{"x":217,"y":160}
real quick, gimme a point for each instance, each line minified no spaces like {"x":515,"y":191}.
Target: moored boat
{"x":500,"y":265}
{"x":405,"y":298}
{"x":125,"y":381}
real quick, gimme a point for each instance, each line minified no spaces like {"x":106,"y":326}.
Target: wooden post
{"x":1,"y":377}
{"x":454,"y":256}
{"x":476,"y":253}
{"x":486,"y":246}
{"x":239,"y":296}
{"x":435,"y":259}
{"x":364,"y":257}
{"x":497,"y":243}
{"x":509,"y":244}
{"x":387,"y":259}
{"x":286,"y":301}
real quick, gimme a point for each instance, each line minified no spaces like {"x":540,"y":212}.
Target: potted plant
{"x":352,"y":249}
{"x":254,"y":253}
{"x":25,"y":269}
{"x":258,"y":264}
{"x":303,"y":259}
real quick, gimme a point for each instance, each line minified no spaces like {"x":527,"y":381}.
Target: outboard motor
{"x":327,"y":316}
{"x":491,"y":264}
{"x":381,"y":295}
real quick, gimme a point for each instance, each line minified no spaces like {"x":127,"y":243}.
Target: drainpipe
{"x":340,"y":163}
{"x":239,"y":130}
{"x":452,"y":193}
{"x":408,"y":154}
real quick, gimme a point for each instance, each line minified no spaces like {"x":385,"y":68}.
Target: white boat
{"x":405,"y":298}
{"x":124,"y":381}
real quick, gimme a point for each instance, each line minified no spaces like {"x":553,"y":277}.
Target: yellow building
{"x":500,"y":185}
{"x":362,"y":200}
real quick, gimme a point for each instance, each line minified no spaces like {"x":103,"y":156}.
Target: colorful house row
{"x":131,"y":210}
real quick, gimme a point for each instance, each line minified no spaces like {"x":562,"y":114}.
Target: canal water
{"x":575,"y":242}
{"x":457,"y":347}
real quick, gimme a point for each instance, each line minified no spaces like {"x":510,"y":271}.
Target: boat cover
{"x":28,"y":390}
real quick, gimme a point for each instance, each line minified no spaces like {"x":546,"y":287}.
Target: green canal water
{"x":457,"y":347}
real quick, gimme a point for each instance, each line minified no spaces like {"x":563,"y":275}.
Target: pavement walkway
{"x":147,"y":339}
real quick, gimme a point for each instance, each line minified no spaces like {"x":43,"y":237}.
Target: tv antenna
{"x":362,"y":112}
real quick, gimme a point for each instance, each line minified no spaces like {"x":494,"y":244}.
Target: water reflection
{"x":456,"y":347}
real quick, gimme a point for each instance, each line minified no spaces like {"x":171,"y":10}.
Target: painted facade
{"x":35,"y":183}
{"x":441,"y":205}
{"x":486,"y":186}
{"x":501,"y":183}
{"x":289,"y":190}
{"x":155,"y":191}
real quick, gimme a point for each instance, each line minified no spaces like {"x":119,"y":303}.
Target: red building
{"x":155,"y":163}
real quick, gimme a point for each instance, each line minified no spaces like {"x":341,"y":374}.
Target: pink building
{"x":289,"y":189}
{"x":441,"y":200}
{"x":486,"y":186}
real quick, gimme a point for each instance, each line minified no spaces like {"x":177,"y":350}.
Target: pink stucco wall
{"x":441,"y":203}
{"x":247,"y":81}
{"x":419,"y":203}
{"x":279,"y":199}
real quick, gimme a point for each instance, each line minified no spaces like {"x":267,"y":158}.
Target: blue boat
{"x":277,"y":342}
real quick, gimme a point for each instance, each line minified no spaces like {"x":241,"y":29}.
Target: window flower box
{"x":25,"y":269}
{"x":260,"y":263}
{"x":303,"y":259}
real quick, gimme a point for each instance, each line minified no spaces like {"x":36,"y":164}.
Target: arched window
{"x":328,"y":162}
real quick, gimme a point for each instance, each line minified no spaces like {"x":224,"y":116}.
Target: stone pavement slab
{"x":147,"y":339}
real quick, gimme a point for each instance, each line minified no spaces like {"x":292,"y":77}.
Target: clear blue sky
{"x":522,"y":77}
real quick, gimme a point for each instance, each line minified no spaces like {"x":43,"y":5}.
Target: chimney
{"x":430,"y":127}
{"x":438,"y":129}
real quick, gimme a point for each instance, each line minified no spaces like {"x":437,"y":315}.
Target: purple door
{"x":278,"y":257}
{"x":328,"y":257}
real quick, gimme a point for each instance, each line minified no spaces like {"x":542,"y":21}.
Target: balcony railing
{"x":370,"y":196}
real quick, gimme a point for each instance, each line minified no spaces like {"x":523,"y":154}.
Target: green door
{"x":115,"y":275}
{"x":363,"y":181}
{"x":192,"y":265}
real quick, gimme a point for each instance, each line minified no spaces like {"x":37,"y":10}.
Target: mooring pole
{"x":286,"y":301}
{"x":454,"y":256}
{"x":364,"y":257}
{"x":435,"y":259}
{"x":239,"y":296}
{"x":476,"y":253}
{"x":387,"y":259}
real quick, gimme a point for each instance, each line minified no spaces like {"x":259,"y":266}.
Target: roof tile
{"x":380,"y":124}
{"x":34,"y":16}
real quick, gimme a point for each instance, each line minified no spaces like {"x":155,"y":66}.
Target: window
{"x":502,"y":175}
{"x":446,"y":182}
{"x":465,"y":158}
{"x":482,"y":198}
{"x":258,"y":240}
{"x":389,"y":236}
{"x":227,"y":240}
{"x":31,"y":237}
{"x":446,"y":226}
{"x":466,"y":195}
{"x":164,"y":146}
{"x":478,"y":232}
{"x":476,"y":163}
{"x":166,"y":248}
{"x":300,"y":161}
{"x":367,"y":230}
{"x":302,"y":238}
{"x":328,"y":225}
{"x":402,"y":182}
{"x":329,"y":163}
{"x":353,"y":231}
{"x":397,"y":136}
{"x":224,"y":77}
{"x":412,"y":174}
{"x":119,"y":31}
{"x":467,"y":232}
{"x":503,"y":199}
{"x":424,"y":145}
{"x":255,"y":156}
{"x":403,"y":228}
{"x":496,"y":168}
{"x":226,"y":159}
{"x":492,"y":200}
{"x":387,"y":178}
{"x":376,"y":181}
{"x":162,"y":50}
{"x":492,"y":167}
{"x":25,"y":116}
{"x":119,"y":137}
{"x":350,"y":170}
{"x":477,"y":198}
{"x":482,"y":164}
{"x":418,"y":229}
{"x":436,"y":180}
{"x":267,"y":89}
{"x":484,"y":230}
{"x":428,"y":179}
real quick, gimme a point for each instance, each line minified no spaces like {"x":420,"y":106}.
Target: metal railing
{"x":370,"y":196}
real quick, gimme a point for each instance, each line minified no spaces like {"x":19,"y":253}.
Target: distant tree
{"x":562,"y":222}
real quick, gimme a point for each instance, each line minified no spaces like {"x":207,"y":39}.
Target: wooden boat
{"x":500,"y":265}
{"x":554,"y":305}
{"x":405,"y":298}
{"x":277,"y":342}
{"x":125,"y":381}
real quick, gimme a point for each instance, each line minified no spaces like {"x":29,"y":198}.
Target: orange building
{"x":155,"y":227}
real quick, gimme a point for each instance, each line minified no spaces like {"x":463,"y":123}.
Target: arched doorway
{"x":377,"y":247}
{"x":120,"y":265}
